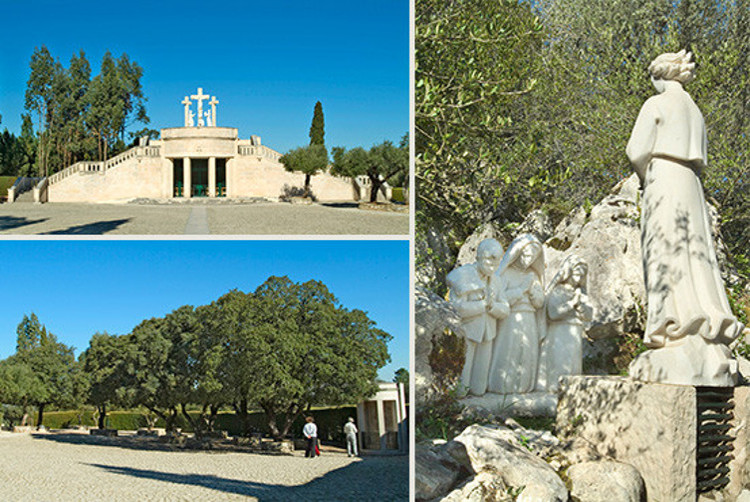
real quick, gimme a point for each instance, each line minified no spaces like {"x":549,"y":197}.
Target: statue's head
{"x":489,"y":254}
{"x":675,"y":66}
{"x":529,"y":254}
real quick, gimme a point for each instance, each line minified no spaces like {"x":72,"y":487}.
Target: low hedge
{"x":330,"y":421}
{"x":398,"y":195}
{"x":5,"y":183}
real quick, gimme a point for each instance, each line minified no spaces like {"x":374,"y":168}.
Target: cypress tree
{"x":317,"y":128}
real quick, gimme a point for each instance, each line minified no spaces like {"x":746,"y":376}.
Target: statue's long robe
{"x":685,"y":292}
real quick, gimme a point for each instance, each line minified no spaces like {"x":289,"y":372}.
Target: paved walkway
{"x":71,"y":467}
{"x":264,"y":218}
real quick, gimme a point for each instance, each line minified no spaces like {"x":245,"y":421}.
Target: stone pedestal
{"x":653,"y":427}
{"x":532,"y":404}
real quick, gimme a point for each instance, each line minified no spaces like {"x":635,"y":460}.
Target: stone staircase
{"x":27,"y":196}
{"x":88,"y":166}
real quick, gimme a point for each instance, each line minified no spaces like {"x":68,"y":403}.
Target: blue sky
{"x":77,"y":288}
{"x":267,"y":62}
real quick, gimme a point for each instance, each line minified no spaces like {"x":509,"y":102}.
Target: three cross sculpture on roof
{"x":204,"y":119}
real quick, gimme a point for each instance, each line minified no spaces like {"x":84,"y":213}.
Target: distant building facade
{"x":196,"y":160}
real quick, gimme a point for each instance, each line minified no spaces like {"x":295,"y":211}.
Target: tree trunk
{"x":41,"y":415}
{"x":171,"y":419}
{"x":376,"y":184}
{"x":307,"y":185}
{"x":212,"y":416}
{"x":241,"y":410}
{"x":102,"y":415}
{"x":291,"y":415}
{"x":194,"y":423}
{"x":271,"y":418}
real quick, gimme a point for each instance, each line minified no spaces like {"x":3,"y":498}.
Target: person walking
{"x":350,"y":431}
{"x":310,"y":431}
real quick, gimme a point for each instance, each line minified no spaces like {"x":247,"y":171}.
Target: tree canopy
{"x":309,"y":160}
{"x":379,"y":164}
{"x":528,"y":105}
{"x":77,"y":117}
{"x":282,"y":349}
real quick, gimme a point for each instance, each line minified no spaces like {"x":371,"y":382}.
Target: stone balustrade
{"x":88,"y":166}
{"x":260,"y":151}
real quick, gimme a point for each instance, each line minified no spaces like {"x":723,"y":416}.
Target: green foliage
{"x":78,"y":118}
{"x":442,"y":419}
{"x":476,"y":66}
{"x":294,"y":346}
{"x":402,"y":376}
{"x":399,"y":195}
{"x":317,"y":128}
{"x":283,"y":349}
{"x":308,"y":160}
{"x":380,"y":164}
{"x":528,"y":105}
{"x":42,"y":371}
{"x":5,"y":183}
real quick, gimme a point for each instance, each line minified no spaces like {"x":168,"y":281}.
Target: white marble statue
{"x":689,"y":321}
{"x":475,"y":291}
{"x":567,"y":308}
{"x":515,"y":354}
{"x":208,"y":118}
{"x":191,"y":119}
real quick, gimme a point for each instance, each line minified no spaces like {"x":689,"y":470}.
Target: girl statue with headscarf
{"x":689,"y":321}
{"x":515,"y":352}
{"x":568,"y":308}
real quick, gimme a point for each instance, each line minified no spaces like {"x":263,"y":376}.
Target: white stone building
{"x":382,"y":419}
{"x":201,"y":160}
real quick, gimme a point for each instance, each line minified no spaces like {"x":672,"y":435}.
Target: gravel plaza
{"x":72,"y":467}
{"x":255,"y":218}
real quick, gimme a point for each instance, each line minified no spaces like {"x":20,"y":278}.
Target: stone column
{"x":212,"y":176}
{"x":187,"y":189}
{"x":362,"y":425}
{"x":381,"y":424}
{"x":403,"y":437}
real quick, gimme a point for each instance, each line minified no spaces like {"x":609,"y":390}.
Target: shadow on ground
{"x":356,"y":481}
{"x":9,"y":222}
{"x":99,"y":227}
{"x":341,"y":205}
{"x":130,"y":443}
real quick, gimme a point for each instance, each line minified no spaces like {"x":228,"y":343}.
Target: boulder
{"x":433,"y":316}
{"x":537,"y":222}
{"x":606,"y":481}
{"x":488,"y":449}
{"x":434,"y":474}
{"x":484,"y":487}
{"x":609,"y":239}
{"x":434,"y":259}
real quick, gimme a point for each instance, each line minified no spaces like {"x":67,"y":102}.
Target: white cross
{"x":186,"y":102}
{"x":200,"y":97}
{"x":213,"y":104}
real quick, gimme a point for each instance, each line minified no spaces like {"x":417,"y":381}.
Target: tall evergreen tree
{"x":39,"y":98}
{"x":317,"y":128}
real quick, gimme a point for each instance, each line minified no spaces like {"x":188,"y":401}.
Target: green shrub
{"x":330,"y":421}
{"x":5,"y":183}
{"x":398,"y":195}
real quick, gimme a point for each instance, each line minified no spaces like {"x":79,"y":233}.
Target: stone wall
{"x":652,"y":427}
{"x":249,"y":177}
{"x":135,"y":177}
